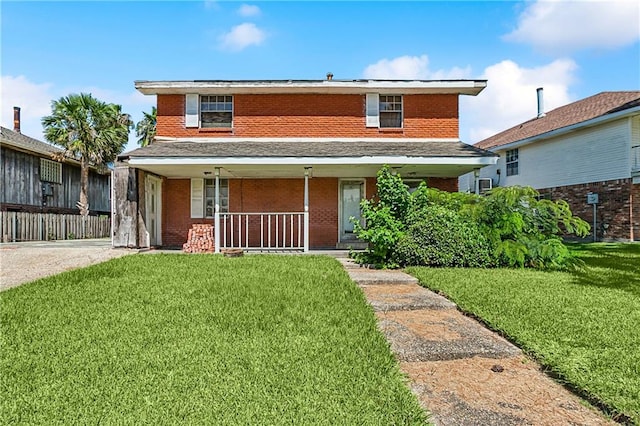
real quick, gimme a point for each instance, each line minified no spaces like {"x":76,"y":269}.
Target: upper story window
{"x":208,"y":111}
{"x":512,"y":162}
{"x":390,"y":111}
{"x":216,"y":111}
{"x":50,"y":171}
{"x":384,"y":111}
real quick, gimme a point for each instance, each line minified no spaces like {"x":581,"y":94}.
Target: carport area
{"x":24,"y":262}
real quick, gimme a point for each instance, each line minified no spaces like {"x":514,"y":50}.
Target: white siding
{"x":591,"y":155}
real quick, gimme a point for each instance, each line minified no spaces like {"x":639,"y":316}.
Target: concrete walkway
{"x":462,"y":373}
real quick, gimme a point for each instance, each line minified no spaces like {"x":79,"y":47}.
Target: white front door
{"x":153,"y":195}
{"x":351,"y":193}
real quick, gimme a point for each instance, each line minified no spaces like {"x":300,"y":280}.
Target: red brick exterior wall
{"x":315,"y":115}
{"x":296,"y":115}
{"x":618,"y":210}
{"x":176,"y":212}
{"x":443,"y":184}
{"x":268,"y":195}
{"x":256,"y":196}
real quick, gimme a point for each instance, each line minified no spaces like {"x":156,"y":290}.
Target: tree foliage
{"x":146,"y":128}
{"x":510,"y":226}
{"x":89,"y":130}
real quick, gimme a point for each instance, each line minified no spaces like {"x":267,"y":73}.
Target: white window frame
{"x":384,"y":101}
{"x":215,"y":104}
{"x":511,"y":160}
{"x":50,"y":171}
{"x":200,"y":197}
{"x":210,"y":196}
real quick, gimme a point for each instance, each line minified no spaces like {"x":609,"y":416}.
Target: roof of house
{"x":26,"y":143}
{"x":599,"y":105}
{"x":465,"y":87}
{"x":289,"y":149}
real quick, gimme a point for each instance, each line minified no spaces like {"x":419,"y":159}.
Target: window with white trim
{"x":216,"y":111}
{"x":512,"y":162}
{"x":383,"y":111}
{"x":50,"y":171}
{"x":390,"y":110}
{"x":210,"y":196}
{"x":203,"y":196}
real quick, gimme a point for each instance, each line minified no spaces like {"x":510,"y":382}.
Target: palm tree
{"x":91,"y":131}
{"x":146,"y":128}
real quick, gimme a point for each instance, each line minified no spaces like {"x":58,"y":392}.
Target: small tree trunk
{"x":84,"y":187}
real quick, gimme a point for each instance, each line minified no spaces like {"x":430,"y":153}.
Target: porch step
{"x":356,"y":245}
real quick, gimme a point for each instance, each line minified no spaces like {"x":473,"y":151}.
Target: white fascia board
{"x":568,"y":129}
{"x":310,"y":161}
{"x":464,"y":87}
{"x":346,"y":140}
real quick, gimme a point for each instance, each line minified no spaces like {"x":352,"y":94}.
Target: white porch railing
{"x":635,"y":159}
{"x":264,"y":231}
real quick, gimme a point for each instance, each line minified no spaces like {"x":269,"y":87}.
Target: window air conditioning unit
{"x":485,"y":184}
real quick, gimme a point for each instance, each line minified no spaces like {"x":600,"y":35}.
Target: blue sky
{"x":572,"y":49}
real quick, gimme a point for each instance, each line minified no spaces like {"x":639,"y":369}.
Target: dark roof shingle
{"x":307,"y":149}
{"x":26,"y":143}
{"x":577,"y":112}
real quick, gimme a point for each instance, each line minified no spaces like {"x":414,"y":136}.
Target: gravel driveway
{"x":24,"y":262}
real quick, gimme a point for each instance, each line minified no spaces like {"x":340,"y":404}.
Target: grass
{"x":198,"y":339}
{"x":584,"y":326}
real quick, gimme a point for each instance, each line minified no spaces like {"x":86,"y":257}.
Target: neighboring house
{"x":591,"y":146}
{"x":34,"y":181}
{"x":284,"y":164}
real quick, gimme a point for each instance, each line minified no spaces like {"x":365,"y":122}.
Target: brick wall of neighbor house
{"x":315,"y":115}
{"x":617,"y":212}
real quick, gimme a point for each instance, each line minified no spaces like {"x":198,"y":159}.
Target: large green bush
{"x":438,"y":236}
{"x":508,"y":227}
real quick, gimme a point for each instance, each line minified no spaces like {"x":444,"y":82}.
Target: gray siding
{"x":21,"y":184}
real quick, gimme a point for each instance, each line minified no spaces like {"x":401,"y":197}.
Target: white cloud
{"x":34,"y":100}
{"x":562,"y":26}
{"x":242,"y":36}
{"x":249,"y":10}
{"x":510,"y":97}
{"x":410,"y":68}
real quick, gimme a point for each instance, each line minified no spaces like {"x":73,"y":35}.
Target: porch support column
{"x":216,"y":214}
{"x":307,"y":171}
{"x":476,"y":181}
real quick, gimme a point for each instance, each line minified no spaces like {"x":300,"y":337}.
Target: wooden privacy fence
{"x":19,"y":226}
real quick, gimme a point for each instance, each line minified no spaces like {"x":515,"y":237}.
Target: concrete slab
{"x":403,"y":297}
{"x":365,"y":276}
{"x":483,"y":391}
{"x":429,"y":335}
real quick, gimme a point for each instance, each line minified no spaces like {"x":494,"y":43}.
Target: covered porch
{"x":280,"y":200}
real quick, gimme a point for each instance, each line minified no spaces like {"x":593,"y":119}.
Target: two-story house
{"x":284,"y":164}
{"x":586,"y":152}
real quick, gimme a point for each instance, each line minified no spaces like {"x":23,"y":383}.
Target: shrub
{"x":508,"y":227}
{"x":525,"y":230}
{"x":438,"y":236}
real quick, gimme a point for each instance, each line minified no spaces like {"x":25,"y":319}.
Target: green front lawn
{"x":584,"y":326}
{"x":198,"y":339}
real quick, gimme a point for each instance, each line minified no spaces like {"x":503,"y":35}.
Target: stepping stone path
{"x":461,"y":372}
